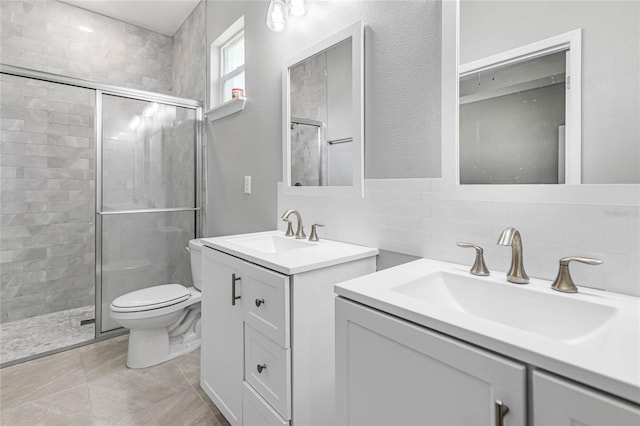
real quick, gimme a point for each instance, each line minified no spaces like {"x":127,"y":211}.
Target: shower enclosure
{"x":99,"y":196}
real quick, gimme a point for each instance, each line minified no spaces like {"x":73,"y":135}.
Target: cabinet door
{"x":557,"y":402}
{"x":392,"y":372}
{"x":268,"y":370}
{"x":257,"y":412}
{"x":266,"y":304}
{"x":222,"y":360}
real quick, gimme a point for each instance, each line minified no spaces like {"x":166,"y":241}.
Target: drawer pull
{"x":259,"y":302}
{"x":233,"y":289}
{"x":261,"y":367}
{"x":501,"y":411}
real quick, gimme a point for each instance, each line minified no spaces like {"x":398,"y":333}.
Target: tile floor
{"x":22,"y":338}
{"x":91,"y":385}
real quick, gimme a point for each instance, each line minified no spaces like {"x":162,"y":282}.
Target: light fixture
{"x":277,"y":16}
{"x":298,"y":8}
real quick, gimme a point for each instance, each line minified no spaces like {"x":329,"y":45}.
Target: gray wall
{"x":402,"y":101}
{"x":611,"y":60}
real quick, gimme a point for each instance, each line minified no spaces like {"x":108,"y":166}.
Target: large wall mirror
{"x":541,"y":100}
{"x":323,"y":117}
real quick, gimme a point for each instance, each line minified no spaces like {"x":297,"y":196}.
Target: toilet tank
{"x":195,"y":252}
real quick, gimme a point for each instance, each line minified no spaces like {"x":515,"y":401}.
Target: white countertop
{"x":607,"y":359}
{"x":313,"y":255}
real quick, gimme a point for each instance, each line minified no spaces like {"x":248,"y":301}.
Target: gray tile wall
{"x":46,"y":35}
{"x":47,"y":182}
{"x":190,"y":55}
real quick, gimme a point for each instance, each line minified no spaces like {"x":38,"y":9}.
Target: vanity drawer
{"x":265,"y":296}
{"x":256,"y":411}
{"x":267,"y":368}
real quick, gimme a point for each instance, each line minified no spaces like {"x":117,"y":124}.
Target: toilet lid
{"x":151,"y":298}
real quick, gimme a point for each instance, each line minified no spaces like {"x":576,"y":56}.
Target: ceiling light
{"x":277,"y":16}
{"x":298,"y":7}
{"x":85,"y":29}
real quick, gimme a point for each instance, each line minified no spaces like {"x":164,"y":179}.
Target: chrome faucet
{"x":511,"y":237}
{"x":300,"y":231}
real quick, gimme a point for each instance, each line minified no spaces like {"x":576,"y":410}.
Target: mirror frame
{"x":355,"y":32}
{"x":600,"y":194}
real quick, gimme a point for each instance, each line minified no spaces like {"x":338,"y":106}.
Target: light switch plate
{"x":247,"y":184}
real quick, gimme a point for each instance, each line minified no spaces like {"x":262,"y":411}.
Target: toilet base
{"x":152,"y":346}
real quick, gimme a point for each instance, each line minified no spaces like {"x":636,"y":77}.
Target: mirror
{"x":609,"y":153}
{"x":520,"y":115}
{"x":323,"y":117}
{"x":608,"y":147}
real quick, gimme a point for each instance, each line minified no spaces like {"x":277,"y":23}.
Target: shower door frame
{"x":101,"y":89}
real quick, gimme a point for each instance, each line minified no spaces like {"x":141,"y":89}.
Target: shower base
{"x":23,"y":338}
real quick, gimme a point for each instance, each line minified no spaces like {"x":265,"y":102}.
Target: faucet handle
{"x":314,"y":234}
{"x":479,"y":267}
{"x":289,"y":232}
{"x":563,"y":281}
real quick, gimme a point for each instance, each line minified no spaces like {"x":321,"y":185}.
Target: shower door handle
{"x":233,"y":289}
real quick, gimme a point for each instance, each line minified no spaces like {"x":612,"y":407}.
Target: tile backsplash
{"x":412,"y":216}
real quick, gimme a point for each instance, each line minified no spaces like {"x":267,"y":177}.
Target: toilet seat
{"x":151,"y":298}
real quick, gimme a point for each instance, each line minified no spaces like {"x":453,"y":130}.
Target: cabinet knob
{"x":259,"y":302}
{"x":261,"y":367}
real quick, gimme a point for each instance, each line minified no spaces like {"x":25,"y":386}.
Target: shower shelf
{"x":230,"y":107}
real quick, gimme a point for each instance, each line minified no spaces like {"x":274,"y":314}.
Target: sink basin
{"x":271,"y":243}
{"x":543,"y":313}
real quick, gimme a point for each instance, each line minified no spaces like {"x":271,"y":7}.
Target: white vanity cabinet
{"x":392,"y":372}
{"x":268,"y":338}
{"x":559,"y":402}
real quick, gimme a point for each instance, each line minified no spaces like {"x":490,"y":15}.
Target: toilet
{"x":164,"y":320}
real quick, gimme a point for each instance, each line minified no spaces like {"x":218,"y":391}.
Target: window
{"x":232,"y":69}
{"x":227,"y":64}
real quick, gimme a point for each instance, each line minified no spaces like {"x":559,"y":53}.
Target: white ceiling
{"x":162,"y":16}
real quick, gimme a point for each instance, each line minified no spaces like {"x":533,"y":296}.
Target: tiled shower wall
{"x":47,"y":182}
{"x":190,"y":56}
{"x":412,"y":216}
{"x":51,"y":36}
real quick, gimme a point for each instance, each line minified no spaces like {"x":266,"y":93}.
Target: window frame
{"x":215,"y":64}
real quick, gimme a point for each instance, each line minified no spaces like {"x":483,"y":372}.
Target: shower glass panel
{"x":143,"y":250}
{"x":47,"y":244}
{"x":148,"y":203}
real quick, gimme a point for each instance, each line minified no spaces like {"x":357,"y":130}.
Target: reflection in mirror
{"x":608,"y":150}
{"x":322,"y":108}
{"x":320,"y":90}
{"x":512,"y":122}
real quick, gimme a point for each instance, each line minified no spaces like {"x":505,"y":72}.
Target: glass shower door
{"x":147,"y":208}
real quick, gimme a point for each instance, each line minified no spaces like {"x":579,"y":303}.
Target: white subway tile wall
{"x":412,"y":216}
{"x":47,"y":35}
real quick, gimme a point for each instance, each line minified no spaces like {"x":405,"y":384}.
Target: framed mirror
{"x":491,"y":44}
{"x":323,"y":120}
